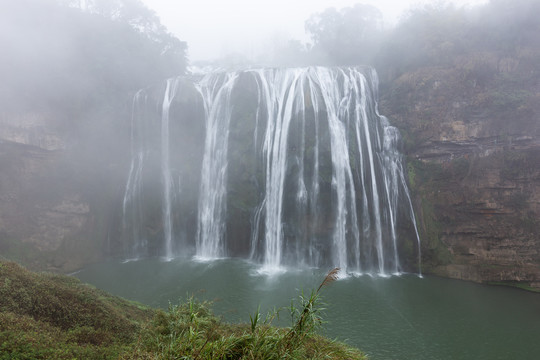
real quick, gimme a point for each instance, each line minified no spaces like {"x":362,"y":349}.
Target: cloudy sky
{"x":215,"y":28}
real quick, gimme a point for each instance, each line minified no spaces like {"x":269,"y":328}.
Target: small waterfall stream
{"x":315,"y":169}
{"x":131,"y":204}
{"x":216,"y":93}
{"x":170,"y":93}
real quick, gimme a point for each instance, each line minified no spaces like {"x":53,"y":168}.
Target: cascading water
{"x":278,"y":90}
{"x":216,"y":93}
{"x":153,"y":217}
{"x":326,"y":184}
{"x":131,"y":205}
{"x":170,"y":93}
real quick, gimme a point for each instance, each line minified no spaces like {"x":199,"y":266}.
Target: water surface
{"x":401,"y":317}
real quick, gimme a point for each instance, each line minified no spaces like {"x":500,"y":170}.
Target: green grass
{"x":46,"y":316}
{"x":191,"y":331}
{"x":515,"y":284}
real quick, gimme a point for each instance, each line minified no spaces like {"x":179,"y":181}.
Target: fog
{"x":216,"y":29}
{"x":394,"y":140}
{"x":71,"y":68}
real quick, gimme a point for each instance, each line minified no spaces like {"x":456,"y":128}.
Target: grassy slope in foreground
{"x":46,"y":316}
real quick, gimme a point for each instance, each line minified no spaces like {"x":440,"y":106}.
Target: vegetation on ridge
{"x":46,"y":316}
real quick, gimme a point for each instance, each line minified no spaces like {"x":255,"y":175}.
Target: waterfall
{"x":279,"y":90}
{"x":170,"y":93}
{"x":131,"y":204}
{"x":337,"y":97}
{"x":216,"y":93}
{"x":318,"y":177}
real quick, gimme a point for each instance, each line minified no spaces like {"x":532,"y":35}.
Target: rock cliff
{"x":54,"y":211}
{"x":472,"y":137}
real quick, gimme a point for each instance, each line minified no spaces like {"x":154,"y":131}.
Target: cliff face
{"x":471,"y":131}
{"x":472,"y":137}
{"x":50,"y":215}
{"x":64,"y":109}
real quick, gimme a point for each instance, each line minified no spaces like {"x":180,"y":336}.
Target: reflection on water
{"x":401,"y":317}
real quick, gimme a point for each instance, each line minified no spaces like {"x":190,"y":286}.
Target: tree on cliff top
{"x":138,"y":16}
{"x":58,"y":57}
{"x":347,"y":36}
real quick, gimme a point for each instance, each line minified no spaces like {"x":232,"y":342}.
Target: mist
{"x":155,"y":147}
{"x":255,"y":27}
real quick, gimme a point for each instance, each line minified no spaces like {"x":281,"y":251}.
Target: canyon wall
{"x":471,"y":134}
{"x":472,"y":138}
{"x":56,"y":206}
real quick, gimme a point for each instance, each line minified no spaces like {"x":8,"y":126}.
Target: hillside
{"x":46,"y":316}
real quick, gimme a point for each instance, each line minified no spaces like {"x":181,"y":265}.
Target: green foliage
{"x":306,"y":317}
{"x":530,"y":222}
{"x":434,"y":252}
{"x":23,"y":337}
{"x":441,"y":34}
{"x":45,"y":316}
{"x":345,"y":36}
{"x":190,"y":331}
{"x":518,"y":201}
{"x":516,"y":284}
{"x":460,"y":167}
{"x":254,"y":320}
{"x":65,"y":303}
{"x":512,"y":94}
{"x":509,"y":100}
{"x":506,"y":25}
{"x":425,"y":178}
{"x":515,"y":164}
{"x":81,"y":60}
{"x":428,"y":35}
{"x":411,"y":175}
{"x":425,"y":173}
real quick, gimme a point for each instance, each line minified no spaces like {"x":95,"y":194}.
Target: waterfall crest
{"x":303,"y":154}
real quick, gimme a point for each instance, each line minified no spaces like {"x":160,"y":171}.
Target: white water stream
{"x":330,"y":165}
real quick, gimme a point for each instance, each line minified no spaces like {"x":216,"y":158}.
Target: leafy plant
{"x":255,"y":319}
{"x":44,"y":316}
{"x":191,"y":331}
{"x":307,"y":316}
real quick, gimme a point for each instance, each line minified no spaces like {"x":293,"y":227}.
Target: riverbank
{"x":46,"y":316}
